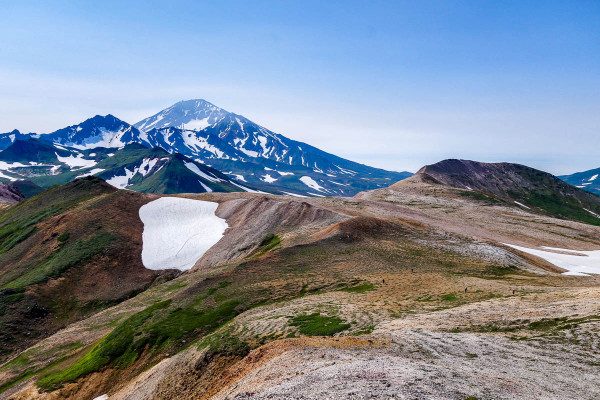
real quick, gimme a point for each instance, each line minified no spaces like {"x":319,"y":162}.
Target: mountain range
{"x":250,"y":155}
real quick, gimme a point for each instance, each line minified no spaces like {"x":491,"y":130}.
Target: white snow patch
{"x":341,"y":184}
{"x":194,"y":168}
{"x":241,"y":124}
{"x":593,"y":178}
{"x":238,"y":177}
{"x":147,"y":165}
{"x":250,"y":153}
{"x":92,"y":172}
{"x":575,"y":262}
{"x":346,"y":171}
{"x":103,"y":397}
{"x":593,"y":213}
{"x":245,"y":189}
{"x":196,"y":124}
{"x":103,"y":138}
{"x":196,"y":143}
{"x":4,"y":166}
{"x":177,"y":232}
{"x":121,"y":181}
{"x":294,"y":194}
{"x":522,"y":205}
{"x":263,"y":143}
{"x":10,"y":178}
{"x":311,"y":183}
{"x":268,"y":178}
{"x":284,"y":173}
{"x":76,"y":162}
{"x":208,"y":190}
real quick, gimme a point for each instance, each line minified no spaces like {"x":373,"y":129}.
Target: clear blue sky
{"x":395,"y":84}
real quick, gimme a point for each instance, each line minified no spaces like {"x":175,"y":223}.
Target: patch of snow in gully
{"x":76,"y":162}
{"x":522,"y":205}
{"x":576,"y":262}
{"x":247,"y":189}
{"x":593,"y":213}
{"x":178,"y":231}
{"x":194,"y":168}
{"x":311,"y":183}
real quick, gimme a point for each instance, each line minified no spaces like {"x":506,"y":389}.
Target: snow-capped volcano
{"x":195,"y":127}
{"x":188,"y":114}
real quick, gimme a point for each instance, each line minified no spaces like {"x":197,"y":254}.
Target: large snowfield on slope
{"x":178,"y":231}
{"x":575,"y":262}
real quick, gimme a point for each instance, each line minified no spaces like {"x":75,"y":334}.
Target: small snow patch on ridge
{"x":593,"y":213}
{"x":178,"y":231}
{"x":91,"y":172}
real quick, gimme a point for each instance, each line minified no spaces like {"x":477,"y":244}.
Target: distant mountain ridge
{"x":586,"y":180}
{"x":134,"y":167}
{"x":515,"y":183}
{"x":229,"y":142}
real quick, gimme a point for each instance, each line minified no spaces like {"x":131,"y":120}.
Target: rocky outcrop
{"x":9,"y":194}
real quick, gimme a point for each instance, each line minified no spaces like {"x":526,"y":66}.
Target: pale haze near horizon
{"x":395,"y":85}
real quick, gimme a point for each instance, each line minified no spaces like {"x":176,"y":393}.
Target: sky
{"x":392,"y":84}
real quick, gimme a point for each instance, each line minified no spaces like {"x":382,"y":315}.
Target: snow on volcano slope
{"x":178,"y":231}
{"x":576,"y":262}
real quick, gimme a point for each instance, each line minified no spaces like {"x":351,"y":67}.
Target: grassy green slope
{"x":50,"y":251}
